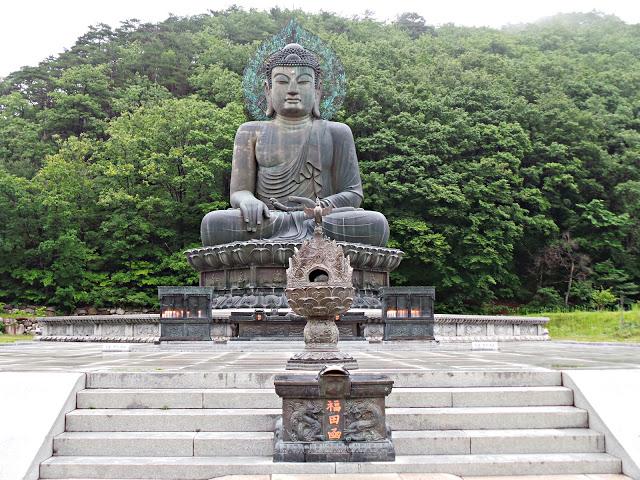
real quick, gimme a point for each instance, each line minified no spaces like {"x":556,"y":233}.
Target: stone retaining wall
{"x":137,"y":328}
{"x":478,"y":328}
{"x":145,"y":328}
{"x":20,"y":326}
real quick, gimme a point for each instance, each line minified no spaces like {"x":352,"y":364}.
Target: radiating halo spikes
{"x":333,"y":77}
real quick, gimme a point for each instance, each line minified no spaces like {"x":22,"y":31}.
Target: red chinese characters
{"x":334,"y":422}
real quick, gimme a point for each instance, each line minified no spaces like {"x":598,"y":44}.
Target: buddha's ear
{"x":267,"y":92}
{"x":316,"y":104}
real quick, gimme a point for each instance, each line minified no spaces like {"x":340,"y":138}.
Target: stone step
{"x":481,"y":397}
{"x":443,"y":442}
{"x":261,"y":420}
{"x":173,"y":420}
{"x":185,"y":398}
{"x":400,"y":476}
{"x":198,"y":468}
{"x":247,"y":379}
{"x":266,"y":397}
{"x":485,"y":418}
{"x":158,"y":444}
{"x":463,"y":442}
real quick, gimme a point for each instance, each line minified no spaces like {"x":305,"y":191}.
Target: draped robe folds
{"x":323,"y":165}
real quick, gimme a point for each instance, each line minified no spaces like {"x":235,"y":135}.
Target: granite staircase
{"x":201,"y":425}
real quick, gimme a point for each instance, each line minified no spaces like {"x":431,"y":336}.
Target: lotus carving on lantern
{"x":319,"y":279}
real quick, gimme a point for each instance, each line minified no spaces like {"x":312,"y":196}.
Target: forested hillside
{"x":507,"y":161}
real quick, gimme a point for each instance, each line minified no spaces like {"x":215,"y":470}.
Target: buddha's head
{"x":293,"y":85}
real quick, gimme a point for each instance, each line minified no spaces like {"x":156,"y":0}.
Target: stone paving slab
{"x":420,"y":476}
{"x":410,"y":476}
{"x":272,"y":356}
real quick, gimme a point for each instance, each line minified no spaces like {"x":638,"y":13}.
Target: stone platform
{"x":253,"y":273}
{"x":145,"y":328}
{"x":258,"y":360}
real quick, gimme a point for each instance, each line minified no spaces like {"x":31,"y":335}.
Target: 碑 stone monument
{"x":284,"y":161}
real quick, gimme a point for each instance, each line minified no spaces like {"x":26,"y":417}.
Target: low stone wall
{"x":495,"y":328}
{"x":145,"y":328}
{"x":139,"y":328}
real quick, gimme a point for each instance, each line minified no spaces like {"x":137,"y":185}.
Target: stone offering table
{"x":333,"y":417}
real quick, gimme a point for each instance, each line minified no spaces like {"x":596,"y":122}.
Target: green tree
{"x":505,"y":160}
{"x":21,"y":147}
{"x":162,"y":168}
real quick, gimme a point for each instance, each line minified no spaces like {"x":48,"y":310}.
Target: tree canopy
{"x":507,"y":161}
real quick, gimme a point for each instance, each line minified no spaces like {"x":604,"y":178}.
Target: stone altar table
{"x":333,"y":417}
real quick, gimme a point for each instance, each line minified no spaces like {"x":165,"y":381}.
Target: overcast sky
{"x":31,"y":30}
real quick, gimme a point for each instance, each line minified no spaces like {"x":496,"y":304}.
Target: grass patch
{"x":595,"y":326}
{"x":14,"y":338}
{"x":19,"y":315}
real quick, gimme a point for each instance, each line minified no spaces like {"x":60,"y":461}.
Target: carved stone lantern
{"x":319,"y":288}
{"x":185,"y":313}
{"x":407,"y":313}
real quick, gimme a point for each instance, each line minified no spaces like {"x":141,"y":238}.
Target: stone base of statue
{"x":333,"y":417}
{"x":252,"y":274}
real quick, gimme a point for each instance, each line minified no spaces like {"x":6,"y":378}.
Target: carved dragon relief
{"x":305,"y":420}
{"x":363,"y":421}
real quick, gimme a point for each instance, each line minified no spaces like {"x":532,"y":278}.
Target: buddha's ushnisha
{"x":283,"y":164}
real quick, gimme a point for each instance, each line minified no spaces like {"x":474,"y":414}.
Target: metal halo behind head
{"x":332,"y":72}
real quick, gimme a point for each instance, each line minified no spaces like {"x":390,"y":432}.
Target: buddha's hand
{"x":282,"y":207}
{"x":253,"y":211}
{"x":302,"y":202}
{"x":307,"y":202}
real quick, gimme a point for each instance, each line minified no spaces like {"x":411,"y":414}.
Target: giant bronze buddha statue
{"x":286,"y":161}
{"x":284,"y":164}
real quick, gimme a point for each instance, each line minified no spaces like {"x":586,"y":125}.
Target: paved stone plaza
{"x":272,"y":356}
{"x":516,"y":396}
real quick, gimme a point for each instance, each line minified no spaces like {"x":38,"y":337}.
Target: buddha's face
{"x":292,"y":91}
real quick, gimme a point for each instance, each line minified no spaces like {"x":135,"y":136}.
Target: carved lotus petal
{"x":195,"y":260}
{"x":365,"y":257}
{"x":394,"y":261}
{"x":211,"y":259}
{"x":260,"y":255}
{"x":225,"y":257}
{"x":249,"y":301}
{"x":239,"y":255}
{"x":282,"y":255}
{"x":319,"y":301}
{"x":347,"y":248}
{"x":377,"y":260}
